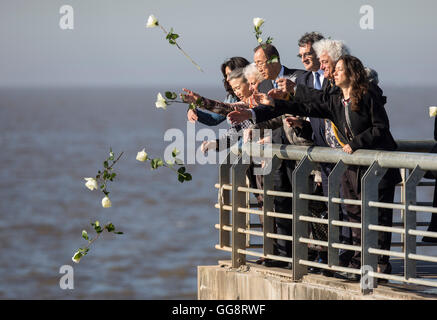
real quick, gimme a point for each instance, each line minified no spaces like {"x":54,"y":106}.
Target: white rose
{"x":432,"y":111}
{"x":257,"y":22}
{"x":152,"y":22}
{"x":161,"y":102}
{"x":91,"y":183}
{"x":76,"y":257}
{"x":106,"y":203}
{"x":142,"y":155}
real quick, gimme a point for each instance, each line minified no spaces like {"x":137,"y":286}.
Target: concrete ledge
{"x":255,"y":282}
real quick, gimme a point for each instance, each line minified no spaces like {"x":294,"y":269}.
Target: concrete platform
{"x":256,"y":282}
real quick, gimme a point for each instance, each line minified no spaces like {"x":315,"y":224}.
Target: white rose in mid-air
{"x":106,"y":203}
{"x":91,"y":183}
{"x":76,"y":257}
{"x":432,"y":111}
{"x":161,"y":102}
{"x":257,"y":22}
{"x":142,"y":155}
{"x":152,"y":22}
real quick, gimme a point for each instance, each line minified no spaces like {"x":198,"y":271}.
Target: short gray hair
{"x":250,"y":70}
{"x":237,"y":74}
{"x":334,"y":48}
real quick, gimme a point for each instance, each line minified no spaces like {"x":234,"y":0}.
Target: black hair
{"x":233,"y":63}
{"x":310,"y":37}
{"x":269,"y":50}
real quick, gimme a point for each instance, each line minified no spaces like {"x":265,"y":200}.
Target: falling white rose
{"x":106,"y":203}
{"x":152,"y":22}
{"x":142,"y":155}
{"x":257,"y":22}
{"x":432,"y":111}
{"x":91,"y":183}
{"x":161,"y":102}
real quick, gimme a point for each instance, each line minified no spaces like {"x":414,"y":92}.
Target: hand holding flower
{"x":262,"y":98}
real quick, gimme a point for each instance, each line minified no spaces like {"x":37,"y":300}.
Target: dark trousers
{"x":351,"y":190}
{"x":282,"y":182}
{"x":345,"y":232}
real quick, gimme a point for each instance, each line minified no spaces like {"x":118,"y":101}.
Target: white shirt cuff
{"x":253,"y":115}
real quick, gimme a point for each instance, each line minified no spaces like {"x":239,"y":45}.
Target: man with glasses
{"x":268,"y":63}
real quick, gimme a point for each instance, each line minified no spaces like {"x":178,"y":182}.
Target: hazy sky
{"x":111,"y":46}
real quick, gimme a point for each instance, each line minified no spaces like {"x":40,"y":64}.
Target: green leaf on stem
{"x":273,"y":59}
{"x":171,"y":95}
{"x":85,"y":235}
{"x":110,"y":227}
{"x":175,"y":152}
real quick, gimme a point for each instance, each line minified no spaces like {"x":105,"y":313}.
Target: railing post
{"x":410,"y":221}
{"x":224,"y":198}
{"x":268,"y":205}
{"x":369,"y":215}
{"x":238,"y":219}
{"x":300,"y":208}
{"x":334,"y":183}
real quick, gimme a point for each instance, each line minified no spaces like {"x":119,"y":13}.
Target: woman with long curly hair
{"x":361,"y":122}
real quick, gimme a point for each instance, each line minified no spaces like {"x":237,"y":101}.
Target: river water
{"x":52,"y":138}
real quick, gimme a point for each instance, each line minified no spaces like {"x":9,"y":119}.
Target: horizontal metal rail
{"x":386,"y":159}
{"x":413,"y":165}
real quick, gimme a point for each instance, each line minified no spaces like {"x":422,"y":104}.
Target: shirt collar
{"x":281,"y":73}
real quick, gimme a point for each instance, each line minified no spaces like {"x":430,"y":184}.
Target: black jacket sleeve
{"x":379,"y":129}
{"x":307,"y":102}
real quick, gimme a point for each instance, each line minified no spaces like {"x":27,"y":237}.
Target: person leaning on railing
{"x":358,"y":112}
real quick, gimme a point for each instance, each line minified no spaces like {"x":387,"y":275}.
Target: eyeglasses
{"x":306,"y":54}
{"x":261,"y":64}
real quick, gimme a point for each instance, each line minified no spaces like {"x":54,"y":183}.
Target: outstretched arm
{"x":208,"y":104}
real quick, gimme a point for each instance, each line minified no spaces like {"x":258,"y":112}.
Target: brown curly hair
{"x":355,"y":72}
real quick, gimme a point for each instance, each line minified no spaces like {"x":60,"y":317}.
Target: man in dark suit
{"x":268,"y":63}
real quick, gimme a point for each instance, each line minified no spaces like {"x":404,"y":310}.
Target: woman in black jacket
{"x":357,"y":110}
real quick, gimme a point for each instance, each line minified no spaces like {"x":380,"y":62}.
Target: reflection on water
{"x":51,"y":139}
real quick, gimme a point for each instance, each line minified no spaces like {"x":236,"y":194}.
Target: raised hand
{"x":285,"y":85}
{"x":190,"y":96}
{"x":239,"y":115}
{"x":278,"y":94}
{"x":192,"y":115}
{"x":294,"y":122}
{"x":262,"y":98}
{"x":208,"y":145}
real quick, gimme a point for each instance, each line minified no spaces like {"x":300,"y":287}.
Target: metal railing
{"x":235,"y":228}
